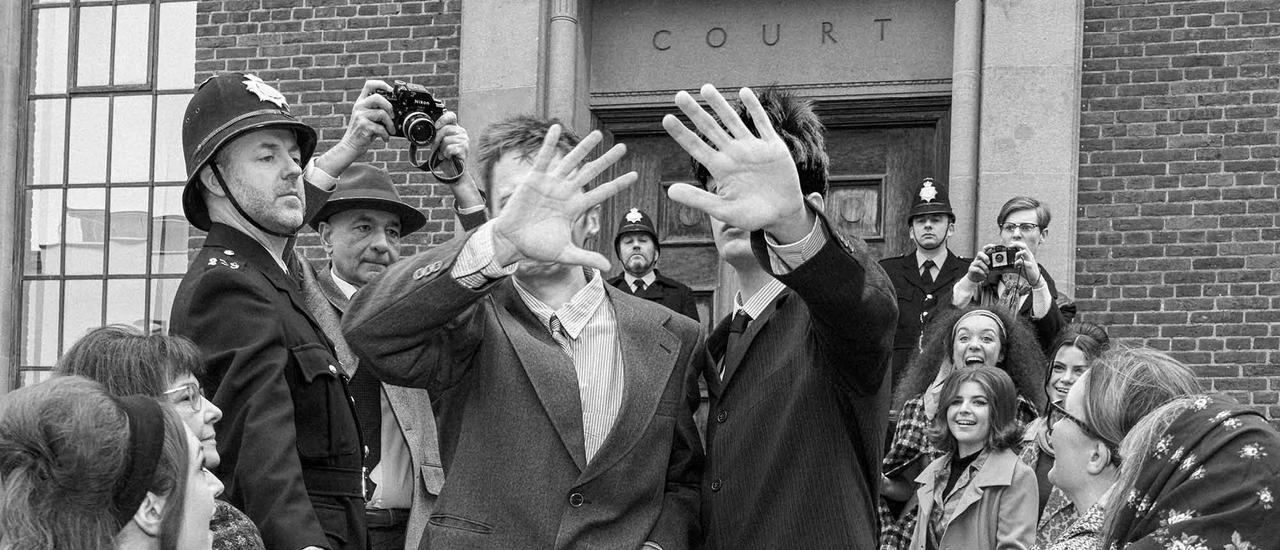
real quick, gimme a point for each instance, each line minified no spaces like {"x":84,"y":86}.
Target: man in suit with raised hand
{"x":798,"y":377}
{"x":562,"y":403}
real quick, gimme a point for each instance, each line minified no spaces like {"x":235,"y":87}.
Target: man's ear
{"x":816,"y":200}
{"x":590,"y":221}
{"x":326,"y":233}
{"x":210,"y":182}
{"x":1044,"y":235}
{"x":149,"y":514}
{"x":951,"y":229}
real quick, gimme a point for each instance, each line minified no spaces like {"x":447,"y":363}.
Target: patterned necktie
{"x":926,"y":274}
{"x":737,"y":326}
{"x":1014,"y":288}
{"x":559,"y":335}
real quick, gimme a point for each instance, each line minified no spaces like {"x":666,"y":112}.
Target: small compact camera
{"x":415,"y":111}
{"x":1000,"y":259}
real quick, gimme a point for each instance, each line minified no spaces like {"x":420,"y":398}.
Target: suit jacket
{"x":673,"y":294}
{"x":918,"y":301}
{"x":996,"y":510}
{"x":796,"y":428}
{"x":510,"y":419}
{"x":412,"y":406}
{"x":290,"y":445}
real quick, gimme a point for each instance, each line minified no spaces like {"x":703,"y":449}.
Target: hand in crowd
{"x":370,"y":120}
{"x":756,"y":183}
{"x":537,"y":221}
{"x":1025,"y":261}
{"x":451,"y":139}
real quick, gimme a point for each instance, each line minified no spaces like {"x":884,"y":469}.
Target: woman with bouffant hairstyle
{"x":82,"y":470}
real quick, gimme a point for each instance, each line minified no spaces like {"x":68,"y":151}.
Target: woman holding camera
{"x":1007,"y":275}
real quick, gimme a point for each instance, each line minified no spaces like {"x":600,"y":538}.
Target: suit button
{"x":715,"y":485}
{"x":333,"y":369}
{"x":576,"y":500}
{"x":722,"y":416}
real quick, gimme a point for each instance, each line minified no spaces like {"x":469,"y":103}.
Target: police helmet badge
{"x":264,"y":91}
{"x":932,"y":200}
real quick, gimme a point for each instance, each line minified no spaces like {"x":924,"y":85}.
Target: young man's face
{"x":638,"y":252}
{"x":262,"y":171}
{"x":361,"y":243}
{"x":931,"y":231}
{"x":506,"y":176}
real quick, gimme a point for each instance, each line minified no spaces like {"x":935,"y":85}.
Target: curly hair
{"x":63,"y":455}
{"x":1005,"y":432}
{"x":1022,"y":360}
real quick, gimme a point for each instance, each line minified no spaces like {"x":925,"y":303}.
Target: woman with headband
{"x":957,"y":339}
{"x":83,"y":470}
{"x":1070,"y":356}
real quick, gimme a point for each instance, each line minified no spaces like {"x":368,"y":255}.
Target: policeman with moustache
{"x":923,"y":277}
{"x":289,"y":440}
{"x":636,"y":244}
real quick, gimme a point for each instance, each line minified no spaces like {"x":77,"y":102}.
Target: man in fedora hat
{"x":361,"y":227}
{"x":925,"y":273}
{"x":636,"y":244}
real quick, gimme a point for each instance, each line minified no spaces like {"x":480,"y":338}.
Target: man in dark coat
{"x":923,"y":277}
{"x":636,"y":244}
{"x":290,"y":445}
{"x":798,"y":377}
{"x":562,"y":403}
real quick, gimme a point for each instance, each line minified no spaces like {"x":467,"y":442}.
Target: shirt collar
{"x":761,"y":299}
{"x":648,"y":278}
{"x":574,"y":314}
{"x":347,"y":288}
{"x":939,"y":257}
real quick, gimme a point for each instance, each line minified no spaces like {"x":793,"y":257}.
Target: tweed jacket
{"x":918,"y":301}
{"x":669,"y":292}
{"x":509,"y":415}
{"x":797,"y":424}
{"x":996,"y":509}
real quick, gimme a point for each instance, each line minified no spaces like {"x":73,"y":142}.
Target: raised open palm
{"x":756,"y":183}
{"x":536,"y":222}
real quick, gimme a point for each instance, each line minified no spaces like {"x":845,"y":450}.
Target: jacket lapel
{"x":996,"y":471}
{"x":649,"y":353}
{"x":324,"y":279}
{"x":953,"y":268}
{"x":550,"y":371}
{"x":734,"y":356}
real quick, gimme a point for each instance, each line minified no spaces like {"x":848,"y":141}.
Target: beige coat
{"x":996,"y":509}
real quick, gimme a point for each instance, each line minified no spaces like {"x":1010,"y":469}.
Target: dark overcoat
{"x":673,"y":294}
{"x":918,"y":301}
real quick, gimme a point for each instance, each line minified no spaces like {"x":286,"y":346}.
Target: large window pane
{"x":43,"y":253}
{"x":86,"y":230}
{"x":88,"y":140}
{"x":48,"y":141}
{"x":176,"y":53}
{"x":131,"y":139}
{"x":170,"y":164}
{"x":169,"y":232}
{"x":126,"y":302}
{"x":162,"y":293}
{"x":133,"y":36}
{"x":50,"y":46}
{"x":129,"y":225}
{"x":93,"y":53}
{"x":40,"y":301}
{"x":83,"y":311}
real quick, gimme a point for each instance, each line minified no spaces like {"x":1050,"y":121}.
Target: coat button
{"x":333,"y":369}
{"x":576,"y":500}
{"x":722,"y":416}
{"x":716,"y":484}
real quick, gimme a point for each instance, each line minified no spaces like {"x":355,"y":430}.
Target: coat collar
{"x":324,"y":279}
{"x":996,"y":471}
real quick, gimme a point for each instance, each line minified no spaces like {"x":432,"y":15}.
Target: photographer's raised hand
{"x":756,"y":183}
{"x":370,"y":120}
{"x":1025,"y":261}
{"x":536,"y":221}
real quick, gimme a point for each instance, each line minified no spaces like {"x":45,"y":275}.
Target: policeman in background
{"x":636,"y":244}
{"x":925,"y":273}
{"x":289,"y":440}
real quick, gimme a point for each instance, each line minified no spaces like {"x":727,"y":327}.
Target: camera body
{"x":415,"y":112}
{"x":1000,"y":259}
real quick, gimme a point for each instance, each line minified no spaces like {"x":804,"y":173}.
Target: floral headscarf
{"x":1210,"y":483}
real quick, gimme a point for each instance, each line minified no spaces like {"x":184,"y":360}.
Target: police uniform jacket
{"x":918,"y":301}
{"x":673,"y":294}
{"x":289,"y":440}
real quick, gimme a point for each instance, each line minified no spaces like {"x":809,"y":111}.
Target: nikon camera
{"x":415,"y":111}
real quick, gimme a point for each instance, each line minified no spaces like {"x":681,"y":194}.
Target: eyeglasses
{"x":1115,"y":453}
{"x":1025,"y":227}
{"x":187,"y":394}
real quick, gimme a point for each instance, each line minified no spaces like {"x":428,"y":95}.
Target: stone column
{"x":562,"y":60}
{"x":966,"y":95}
{"x":11,"y":117}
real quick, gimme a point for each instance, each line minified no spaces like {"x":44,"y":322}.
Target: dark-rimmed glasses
{"x":187,"y":394}
{"x":1025,"y":227}
{"x":1115,"y":452}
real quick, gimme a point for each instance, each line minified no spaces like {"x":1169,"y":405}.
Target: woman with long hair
{"x":127,"y":362}
{"x":83,"y":470}
{"x":977,"y":494}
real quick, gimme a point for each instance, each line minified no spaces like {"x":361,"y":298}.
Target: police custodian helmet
{"x":635,"y":221}
{"x":223,"y":108}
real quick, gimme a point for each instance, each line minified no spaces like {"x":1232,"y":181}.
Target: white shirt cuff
{"x":785,"y":258}
{"x":475,"y":265}
{"x":318,"y":177}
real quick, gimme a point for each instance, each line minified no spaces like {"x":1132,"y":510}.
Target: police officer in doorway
{"x":636,"y":244}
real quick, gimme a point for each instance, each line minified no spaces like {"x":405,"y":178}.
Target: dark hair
{"x":1018,"y":204}
{"x":128,"y":362}
{"x":1005,"y":429}
{"x":1089,"y":338}
{"x":795,"y":122}
{"x":1023,"y":358}
{"x":63,"y":455}
{"x":522,"y":134}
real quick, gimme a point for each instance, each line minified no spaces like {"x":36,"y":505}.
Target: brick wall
{"x":318,"y":53}
{"x":1178,"y":211}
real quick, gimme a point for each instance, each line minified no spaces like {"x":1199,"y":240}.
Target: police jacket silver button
{"x":576,"y":500}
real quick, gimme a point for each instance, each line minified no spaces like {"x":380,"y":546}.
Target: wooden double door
{"x":879,"y":152}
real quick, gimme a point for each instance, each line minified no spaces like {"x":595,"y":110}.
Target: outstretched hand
{"x":756,"y":183}
{"x":536,"y":222}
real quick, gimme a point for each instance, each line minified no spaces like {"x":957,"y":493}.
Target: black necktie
{"x":926,"y":275}
{"x":367,"y":392}
{"x":736,"y":327}
{"x":640,"y":286}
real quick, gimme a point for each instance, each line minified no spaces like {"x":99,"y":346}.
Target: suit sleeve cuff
{"x":475,"y":265}
{"x":785,"y":258}
{"x":318,"y":177}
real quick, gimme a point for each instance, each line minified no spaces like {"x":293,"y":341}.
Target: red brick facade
{"x":1178,"y":212}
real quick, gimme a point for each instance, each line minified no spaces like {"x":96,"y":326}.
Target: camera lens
{"x":418,"y":128}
